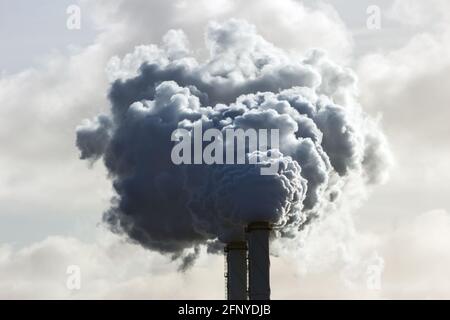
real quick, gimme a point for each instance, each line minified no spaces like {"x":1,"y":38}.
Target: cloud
{"x":112,"y":268}
{"x":39,"y":111}
{"x":411,"y":76}
{"x":407,"y":85}
{"x":338,"y":261}
{"x":416,"y":258}
{"x":415,"y":13}
{"x":40,"y":172}
{"x":320,"y":26}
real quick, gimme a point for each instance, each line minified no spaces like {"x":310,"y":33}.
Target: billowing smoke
{"x":325,"y":139}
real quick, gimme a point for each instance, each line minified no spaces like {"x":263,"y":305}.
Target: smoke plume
{"x":326,"y":140}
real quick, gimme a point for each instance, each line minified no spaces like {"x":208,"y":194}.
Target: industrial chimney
{"x":258,"y":260}
{"x":236,"y":274}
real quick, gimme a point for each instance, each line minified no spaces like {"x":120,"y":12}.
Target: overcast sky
{"x":51,"y":204}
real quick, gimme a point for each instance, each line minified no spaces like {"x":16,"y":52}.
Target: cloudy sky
{"x":51,"y":203}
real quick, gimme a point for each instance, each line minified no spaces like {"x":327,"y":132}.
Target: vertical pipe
{"x":236,"y":254}
{"x":258,"y":260}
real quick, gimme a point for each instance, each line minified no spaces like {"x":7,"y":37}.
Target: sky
{"x":51,"y":203}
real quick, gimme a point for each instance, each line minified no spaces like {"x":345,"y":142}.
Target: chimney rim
{"x":236,"y":245}
{"x":258,"y":225}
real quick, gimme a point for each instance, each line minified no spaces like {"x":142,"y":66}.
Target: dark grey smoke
{"x":325,"y":139}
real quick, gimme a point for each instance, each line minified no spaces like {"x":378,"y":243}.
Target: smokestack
{"x":258,"y":260}
{"x":236,"y":255}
